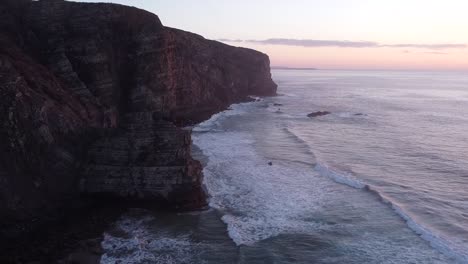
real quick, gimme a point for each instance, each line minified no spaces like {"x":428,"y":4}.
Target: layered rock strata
{"x":90,"y":98}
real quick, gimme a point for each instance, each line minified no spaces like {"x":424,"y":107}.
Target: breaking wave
{"x":133,"y":240}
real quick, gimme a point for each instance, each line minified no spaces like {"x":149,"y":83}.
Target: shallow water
{"x":382,"y":179}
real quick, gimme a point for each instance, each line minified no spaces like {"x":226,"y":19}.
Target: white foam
{"x":259,"y":201}
{"x":443,"y":245}
{"x":437,"y":242}
{"x":256,"y":98}
{"x":339,"y":176}
{"x":287,"y":94}
{"x":213,"y":123}
{"x":137,"y":243}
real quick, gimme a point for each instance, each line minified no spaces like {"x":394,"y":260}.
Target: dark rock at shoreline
{"x":90,"y":99}
{"x":318,"y":113}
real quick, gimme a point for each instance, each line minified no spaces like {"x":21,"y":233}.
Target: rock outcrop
{"x":318,"y":113}
{"x":147,"y":158}
{"x":90,"y":96}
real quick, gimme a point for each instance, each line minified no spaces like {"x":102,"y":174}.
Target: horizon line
{"x":361,"y":69}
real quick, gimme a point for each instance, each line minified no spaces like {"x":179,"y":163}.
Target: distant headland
{"x":292,"y":68}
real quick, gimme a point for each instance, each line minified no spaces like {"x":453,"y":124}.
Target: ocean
{"x":381,"y":178}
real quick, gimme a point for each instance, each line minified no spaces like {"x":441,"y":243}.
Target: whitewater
{"x":383,"y":178}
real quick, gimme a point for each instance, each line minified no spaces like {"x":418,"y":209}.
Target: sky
{"x":331,"y":34}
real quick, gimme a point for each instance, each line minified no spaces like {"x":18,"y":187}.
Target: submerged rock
{"x":318,"y":113}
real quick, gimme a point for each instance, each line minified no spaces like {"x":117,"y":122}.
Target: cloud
{"x":230,"y":40}
{"x":428,"y":46}
{"x":317,"y":43}
{"x":426,"y":52}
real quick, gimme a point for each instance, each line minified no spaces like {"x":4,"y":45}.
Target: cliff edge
{"x":91,"y":96}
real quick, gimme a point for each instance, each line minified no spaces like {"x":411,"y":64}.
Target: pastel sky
{"x":331,"y":34}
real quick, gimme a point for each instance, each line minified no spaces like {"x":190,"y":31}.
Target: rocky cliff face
{"x":89,"y":98}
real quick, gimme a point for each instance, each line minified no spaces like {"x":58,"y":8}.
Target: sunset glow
{"x":405,"y":31}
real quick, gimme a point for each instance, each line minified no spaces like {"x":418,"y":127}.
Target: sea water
{"x":383,"y":178}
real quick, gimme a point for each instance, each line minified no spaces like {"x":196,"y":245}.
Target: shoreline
{"x":439,"y":244}
{"x":91,"y":247}
{"x":75,"y":237}
{"x":77,"y":232}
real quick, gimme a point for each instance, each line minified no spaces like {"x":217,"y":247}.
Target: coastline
{"x":90,"y":132}
{"x":77,"y":232}
{"x":197,"y":153}
{"x":124,"y":140}
{"x":107,"y":118}
{"x":438,"y":244}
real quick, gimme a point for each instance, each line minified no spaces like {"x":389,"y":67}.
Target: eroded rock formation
{"x":318,"y":113}
{"x":90,"y":95}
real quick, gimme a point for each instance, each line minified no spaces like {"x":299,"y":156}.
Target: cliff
{"x":91,"y":96}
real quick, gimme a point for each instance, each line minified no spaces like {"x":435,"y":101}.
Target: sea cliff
{"x":93,"y":97}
